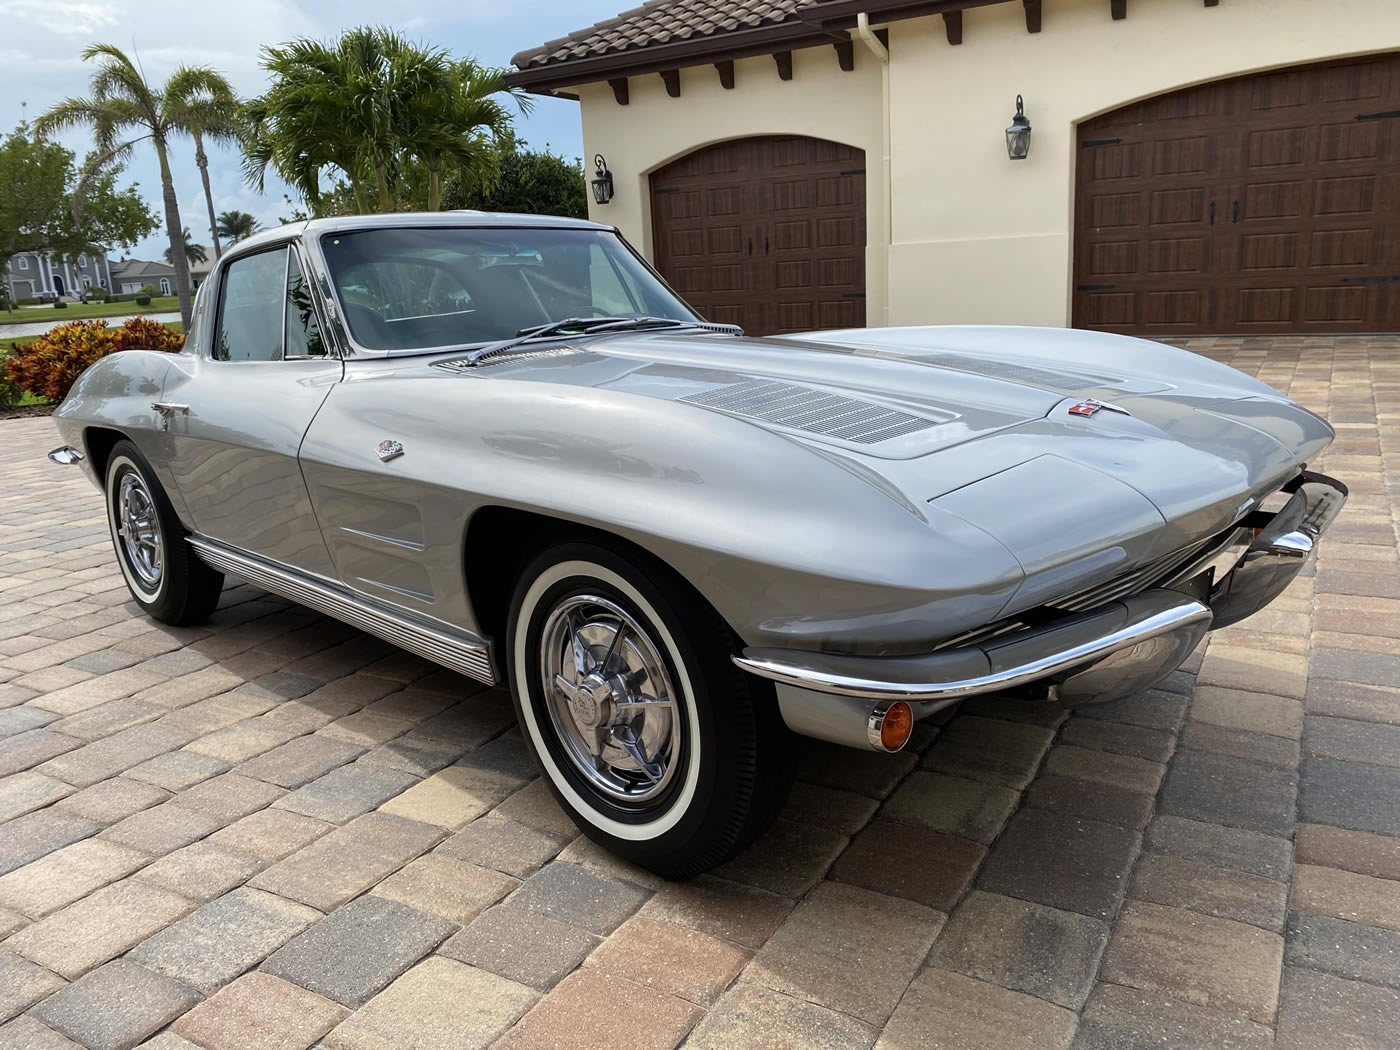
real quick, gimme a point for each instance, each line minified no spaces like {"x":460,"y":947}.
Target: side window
{"x":251,"y":298}
{"x":303,"y":331}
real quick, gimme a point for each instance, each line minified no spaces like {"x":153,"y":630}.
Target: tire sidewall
{"x":121,"y":463}
{"x":565,"y":572}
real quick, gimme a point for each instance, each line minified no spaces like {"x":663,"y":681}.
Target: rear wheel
{"x":161,"y":571}
{"x":655,"y":743}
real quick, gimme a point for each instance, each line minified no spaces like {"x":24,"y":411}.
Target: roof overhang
{"x":657,"y":58}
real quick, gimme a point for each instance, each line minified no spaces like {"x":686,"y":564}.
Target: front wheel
{"x":161,"y":571}
{"x":659,"y":748}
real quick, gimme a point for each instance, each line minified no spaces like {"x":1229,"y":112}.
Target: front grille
{"x":816,"y":412}
{"x":1139,"y":579}
{"x":1125,"y":586}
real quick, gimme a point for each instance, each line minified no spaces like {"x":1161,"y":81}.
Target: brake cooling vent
{"x":816,"y":412}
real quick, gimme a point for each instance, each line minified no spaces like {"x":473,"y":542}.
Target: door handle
{"x":1235,"y":212}
{"x":168,"y":409}
{"x":1212,"y":213}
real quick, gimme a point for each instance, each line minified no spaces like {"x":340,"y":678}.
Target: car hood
{"x":977,"y":422}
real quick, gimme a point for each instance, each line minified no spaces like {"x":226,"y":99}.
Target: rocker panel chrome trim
{"x":459,"y":654}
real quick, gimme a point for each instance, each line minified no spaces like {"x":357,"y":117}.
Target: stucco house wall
{"x":970,"y":236}
{"x":654,"y":129}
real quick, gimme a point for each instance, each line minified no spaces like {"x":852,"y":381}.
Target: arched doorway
{"x":1268,"y":203}
{"x":58,"y":286}
{"x":767,"y":232}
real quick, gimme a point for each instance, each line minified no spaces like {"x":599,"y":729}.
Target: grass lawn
{"x":7,"y":345}
{"x":82,"y":311}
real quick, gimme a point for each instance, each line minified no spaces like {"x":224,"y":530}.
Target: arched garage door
{"x":767,"y":233}
{"x":1268,"y":203}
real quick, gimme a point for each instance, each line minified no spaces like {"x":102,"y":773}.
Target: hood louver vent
{"x":816,"y":412}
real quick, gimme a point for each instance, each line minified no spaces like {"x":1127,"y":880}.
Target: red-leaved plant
{"x":50,"y":365}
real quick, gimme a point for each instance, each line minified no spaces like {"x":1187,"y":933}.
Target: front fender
{"x":792,"y":547}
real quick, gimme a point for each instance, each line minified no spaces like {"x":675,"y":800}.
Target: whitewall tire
{"x":656,"y":745}
{"x":163,"y":575}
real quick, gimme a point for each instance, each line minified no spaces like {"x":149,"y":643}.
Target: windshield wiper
{"x":587,"y":326}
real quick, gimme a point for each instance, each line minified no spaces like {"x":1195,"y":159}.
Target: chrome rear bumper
{"x":1112,"y":651}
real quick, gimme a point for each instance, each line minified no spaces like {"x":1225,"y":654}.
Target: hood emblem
{"x":388,"y":450}
{"x":1089,"y":406}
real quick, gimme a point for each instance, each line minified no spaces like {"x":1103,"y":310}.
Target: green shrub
{"x":49,"y":366}
{"x":143,"y":300}
{"x":149,"y":290}
{"x":27,"y":300}
{"x":59,"y":304}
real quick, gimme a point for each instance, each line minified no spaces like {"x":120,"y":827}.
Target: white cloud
{"x":65,"y":17}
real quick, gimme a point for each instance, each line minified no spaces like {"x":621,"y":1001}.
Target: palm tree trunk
{"x":381,"y":184}
{"x":203,"y":162}
{"x":176,"y":232}
{"x":434,"y":187}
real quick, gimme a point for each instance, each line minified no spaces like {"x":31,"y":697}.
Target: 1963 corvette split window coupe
{"x":503,"y":443}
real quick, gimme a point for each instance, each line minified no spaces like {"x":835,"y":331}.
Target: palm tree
{"x":339,"y":106}
{"x":209,"y":109}
{"x":123,"y":103}
{"x":194,"y":253}
{"x":456,"y":127}
{"x":236,"y":225}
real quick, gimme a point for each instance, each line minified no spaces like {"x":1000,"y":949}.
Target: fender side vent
{"x":816,"y":412}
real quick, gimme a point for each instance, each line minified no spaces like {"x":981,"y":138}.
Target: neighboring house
{"x":39,"y":276}
{"x":131,"y":275}
{"x":1195,"y":166}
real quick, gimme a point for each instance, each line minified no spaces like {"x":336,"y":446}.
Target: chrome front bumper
{"x":1112,"y":651}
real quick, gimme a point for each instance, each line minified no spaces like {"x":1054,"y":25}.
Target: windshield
{"x":418,"y":288}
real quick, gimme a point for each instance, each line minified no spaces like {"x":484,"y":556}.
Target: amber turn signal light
{"x":891,"y":725}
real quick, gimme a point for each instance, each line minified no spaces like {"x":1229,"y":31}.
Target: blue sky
{"x":39,"y":65}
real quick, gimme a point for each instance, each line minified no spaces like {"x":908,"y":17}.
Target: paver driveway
{"x":275,"y":831}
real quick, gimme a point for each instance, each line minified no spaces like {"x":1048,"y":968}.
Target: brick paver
{"x":275,"y":831}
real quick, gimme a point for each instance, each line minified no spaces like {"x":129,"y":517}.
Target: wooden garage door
{"x":767,"y":233}
{"x":1268,"y":203}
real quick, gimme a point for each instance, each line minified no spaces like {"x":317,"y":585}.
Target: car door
{"x":237,"y":408}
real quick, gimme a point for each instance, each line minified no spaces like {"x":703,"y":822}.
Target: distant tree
{"x":122,"y":103}
{"x":194,"y":253}
{"x":236,"y":225}
{"x":208,"y":108}
{"x":47,"y":206}
{"x":537,"y":182}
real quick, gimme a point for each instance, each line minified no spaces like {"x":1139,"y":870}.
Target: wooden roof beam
{"x":725,"y":69}
{"x":845,"y":54}
{"x":1119,"y":8}
{"x":672,"y":79}
{"x":1032,"y":15}
{"x":619,"y":86}
{"x":784,"y":62}
{"x":952,"y":25}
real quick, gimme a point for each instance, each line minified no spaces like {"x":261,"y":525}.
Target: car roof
{"x":464,"y":219}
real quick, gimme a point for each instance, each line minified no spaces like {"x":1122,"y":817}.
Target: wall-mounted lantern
{"x":602,"y":182}
{"x":1018,"y":136}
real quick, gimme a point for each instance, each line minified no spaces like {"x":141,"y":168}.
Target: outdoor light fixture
{"x":602,"y":183}
{"x":1018,"y":136}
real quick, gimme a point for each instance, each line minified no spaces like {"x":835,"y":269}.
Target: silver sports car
{"x":503,"y":443}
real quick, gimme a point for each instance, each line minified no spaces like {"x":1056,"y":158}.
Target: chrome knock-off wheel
{"x":610,"y":699}
{"x":139,"y":529}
